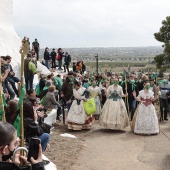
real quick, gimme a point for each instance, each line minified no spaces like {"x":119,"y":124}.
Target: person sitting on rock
{"x":11,"y":76}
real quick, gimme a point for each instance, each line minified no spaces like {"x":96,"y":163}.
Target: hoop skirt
{"x":114,"y":114}
{"x":145,"y":120}
{"x":77,"y":118}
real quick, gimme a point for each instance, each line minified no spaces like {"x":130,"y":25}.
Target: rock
{"x":10,"y":42}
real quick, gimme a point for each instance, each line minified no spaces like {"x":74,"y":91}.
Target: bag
{"x":32,"y":67}
{"x":43,"y":101}
{"x":58,"y":57}
{"x":45,"y":127}
{"x":38,"y":92}
{"x":89,"y":106}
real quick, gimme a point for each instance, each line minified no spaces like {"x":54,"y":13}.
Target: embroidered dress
{"x":77,"y":118}
{"x":146,"y":121}
{"x":114,"y":114}
{"x":94,"y":93}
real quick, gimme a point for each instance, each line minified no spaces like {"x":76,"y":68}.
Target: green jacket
{"x":58,"y":82}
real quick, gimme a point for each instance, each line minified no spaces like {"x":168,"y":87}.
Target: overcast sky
{"x":90,"y":23}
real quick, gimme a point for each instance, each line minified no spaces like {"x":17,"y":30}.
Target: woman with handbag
{"x":77,"y":117}
{"x":95,"y":93}
{"x":114,"y":114}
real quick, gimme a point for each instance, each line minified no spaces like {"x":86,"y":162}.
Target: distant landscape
{"x":115,"y":58}
{"x":118,"y":54}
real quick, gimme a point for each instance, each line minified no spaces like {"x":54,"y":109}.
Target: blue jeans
{"x":12,"y":81}
{"x":45,"y":137}
{"x":59,"y":64}
{"x":132,"y":108}
{"x":46,"y":64}
{"x":29,"y":81}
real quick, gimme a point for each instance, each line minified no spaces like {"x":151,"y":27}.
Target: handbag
{"x":45,"y":127}
{"x":43,"y":101}
{"x":89,"y":106}
{"x":58,"y":57}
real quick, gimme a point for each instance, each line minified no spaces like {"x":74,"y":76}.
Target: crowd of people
{"x":116,"y":100}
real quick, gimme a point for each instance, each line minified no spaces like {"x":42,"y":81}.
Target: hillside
{"x":113,"y":53}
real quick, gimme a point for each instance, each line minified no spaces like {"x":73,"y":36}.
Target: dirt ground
{"x":103,"y":149}
{"x":65,"y":151}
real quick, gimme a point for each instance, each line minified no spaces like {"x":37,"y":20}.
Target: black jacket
{"x":67,"y":89}
{"x":12,"y":166}
{"x":46,"y":55}
{"x":67,"y":59}
{"x":53,"y":55}
{"x":31,"y":129}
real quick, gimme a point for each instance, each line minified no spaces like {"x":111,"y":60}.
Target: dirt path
{"x":102,"y":149}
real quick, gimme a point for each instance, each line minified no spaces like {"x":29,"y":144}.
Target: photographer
{"x":11,"y":76}
{"x":8,"y":143}
{"x":5,"y":83}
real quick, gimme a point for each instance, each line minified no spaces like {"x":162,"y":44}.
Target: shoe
{"x":166,"y":119}
{"x":45,"y":162}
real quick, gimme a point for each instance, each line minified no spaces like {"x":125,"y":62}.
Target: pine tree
{"x":163,"y":60}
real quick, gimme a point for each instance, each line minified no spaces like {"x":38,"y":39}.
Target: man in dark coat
{"x":67,"y":60}
{"x":36,"y":47}
{"x":53,"y":58}
{"x":67,"y":90}
{"x":132,"y":86}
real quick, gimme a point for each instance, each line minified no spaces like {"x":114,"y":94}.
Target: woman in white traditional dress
{"x":114,"y":114}
{"x":77,"y":118}
{"x":145,"y":120}
{"x":95,"y":93}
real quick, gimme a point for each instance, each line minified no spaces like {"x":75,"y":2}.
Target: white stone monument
{"x":10,"y":42}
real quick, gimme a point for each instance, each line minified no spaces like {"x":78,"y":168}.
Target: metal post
{"x":97,"y":67}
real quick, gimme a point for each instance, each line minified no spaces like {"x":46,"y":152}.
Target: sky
{"x":90,"y":23}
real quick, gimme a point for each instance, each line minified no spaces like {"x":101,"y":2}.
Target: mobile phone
{"x":33,"y":148}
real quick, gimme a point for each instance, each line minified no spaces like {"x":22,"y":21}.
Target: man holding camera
{"x":5,"y":83}
{"x":164,"y":88}
{"x":12,"y":79}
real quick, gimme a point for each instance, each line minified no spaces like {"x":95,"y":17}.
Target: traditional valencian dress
{"x":94,"y":93}
{"x":114,"y":114}
{"x":77,"y":118}
{"x":145,"y":120}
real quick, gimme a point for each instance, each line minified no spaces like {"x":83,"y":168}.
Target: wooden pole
{"x":23,"y":51}
{"x":126,"y":98}
{"x":21,"y":107}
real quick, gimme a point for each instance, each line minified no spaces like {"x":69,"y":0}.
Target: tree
{"x":163,"y":60}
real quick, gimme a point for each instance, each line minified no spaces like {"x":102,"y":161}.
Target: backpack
{"x":58,"y":57}
{"x":32,"y":67}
